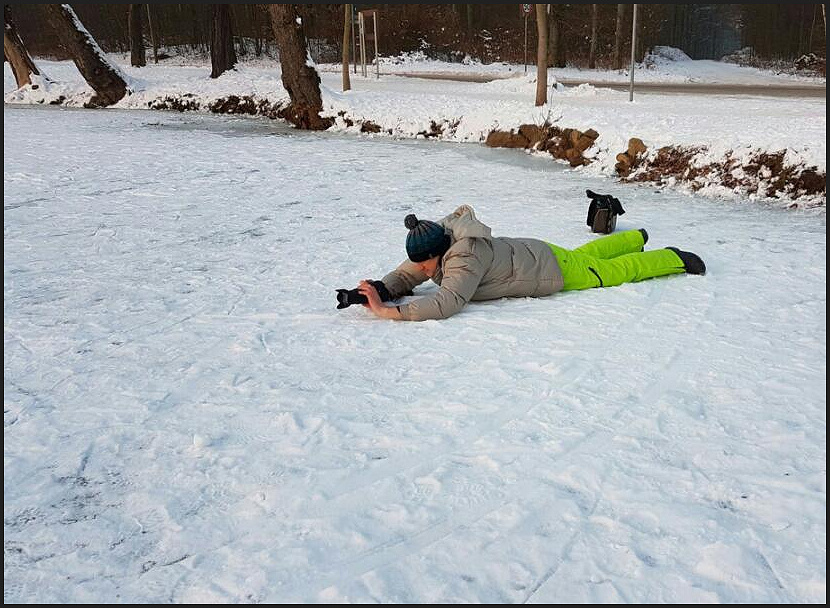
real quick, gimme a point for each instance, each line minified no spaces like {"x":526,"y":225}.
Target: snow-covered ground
{"x":187,"y":418}
{"x":725,"y":125}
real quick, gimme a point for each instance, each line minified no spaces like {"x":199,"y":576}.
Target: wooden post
{"x":361,"y":24}
{"x":633,"y":47}
{"x":347,"y":17}
{"x":541,"y":55}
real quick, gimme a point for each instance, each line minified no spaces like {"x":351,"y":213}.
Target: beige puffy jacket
{"x":477,"y":266}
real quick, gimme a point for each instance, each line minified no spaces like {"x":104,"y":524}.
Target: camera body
{"x":347,"y":297}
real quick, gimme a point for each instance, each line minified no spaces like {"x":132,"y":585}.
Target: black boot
{"x":645,"y":237}
{"x":691,"y":261}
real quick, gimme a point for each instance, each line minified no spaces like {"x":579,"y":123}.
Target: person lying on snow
{"x":460,"y":254}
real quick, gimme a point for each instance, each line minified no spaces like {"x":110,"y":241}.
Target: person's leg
{"x":613,"y":245}
{"x":582,"y":271}
{"x":575,"y":268}
{"x":639,"y":266}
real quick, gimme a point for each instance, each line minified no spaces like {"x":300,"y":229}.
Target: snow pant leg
{"x":581,"y":271}
{"x":575,"y":268}
{"x":613,"y":245}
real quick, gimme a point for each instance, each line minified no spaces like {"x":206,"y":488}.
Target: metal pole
{"x":633,"y":46}
{"x":361,"y":24}
{"x":377,"y":59}
{"x":525,"y":43}
{"x":354,"y":43}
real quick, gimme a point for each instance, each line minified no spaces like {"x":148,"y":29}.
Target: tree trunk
{"x":22,"y":64}
{"x":104,"y":77}
{"x":254,"y":14}
{"x":222,"y":55}
{"x":197,"y":40}
{"x":553,"y":36}
{"x":618,"y":37}
{"x":137,"y":56}
{"x":298,"y":77}
{"x":154,"y":40}
{"x":562,"y":45}
{"x":592,"y":55}
{"x":542,"y":54}
{"x":347,"y":28}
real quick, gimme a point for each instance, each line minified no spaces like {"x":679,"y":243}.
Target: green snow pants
{"x":612,"y":260}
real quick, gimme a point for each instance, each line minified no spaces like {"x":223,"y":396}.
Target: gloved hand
{"x":347,"y":297}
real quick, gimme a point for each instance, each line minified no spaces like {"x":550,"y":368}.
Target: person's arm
{"x":462,"y":276}
{"x":376,"y":305}
{"x":403,"y":279}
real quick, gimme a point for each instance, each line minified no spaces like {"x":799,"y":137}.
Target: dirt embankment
{"x":760,"y":172}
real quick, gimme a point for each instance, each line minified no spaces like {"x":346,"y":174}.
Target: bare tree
{"x":592,"y":55}
{"x":347,"y":28}
{"x":542,"y":55}
{"x":137,"y":56}
{"x":618,"y":37}
{"x":22,"y":64}
{"x":299,"y":78}
{"x":222,"y":54}
{"x":153,"y":35}
{"x":556,"y":36}
{"x":553,"y":36}
{"x":104,"y":77}
{"x":253,"y":17}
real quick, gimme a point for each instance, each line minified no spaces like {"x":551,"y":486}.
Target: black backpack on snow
{"x":603,"y":212}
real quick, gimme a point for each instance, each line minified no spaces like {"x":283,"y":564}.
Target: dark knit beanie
{"x":425,"y":239}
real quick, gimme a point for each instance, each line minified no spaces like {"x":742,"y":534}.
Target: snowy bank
{"x":722,"y":127}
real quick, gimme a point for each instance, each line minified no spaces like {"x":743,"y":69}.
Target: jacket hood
{"x":463,"y":223}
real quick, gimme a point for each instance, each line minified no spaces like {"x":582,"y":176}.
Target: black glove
{"x":347,"y":297}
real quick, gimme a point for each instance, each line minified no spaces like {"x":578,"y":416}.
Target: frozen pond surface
{"x":188,"y":418}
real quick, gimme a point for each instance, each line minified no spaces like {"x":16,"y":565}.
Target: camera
{"x":347,"y":297}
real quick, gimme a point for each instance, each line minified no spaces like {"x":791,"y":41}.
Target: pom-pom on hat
{"x":425,"y":240}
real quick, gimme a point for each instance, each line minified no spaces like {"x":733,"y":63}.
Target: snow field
{"x":188,"y":418}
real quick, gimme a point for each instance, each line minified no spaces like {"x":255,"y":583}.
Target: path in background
{"x":770,"y":90}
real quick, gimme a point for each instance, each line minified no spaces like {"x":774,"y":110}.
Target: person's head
{"x":425,"y":243}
